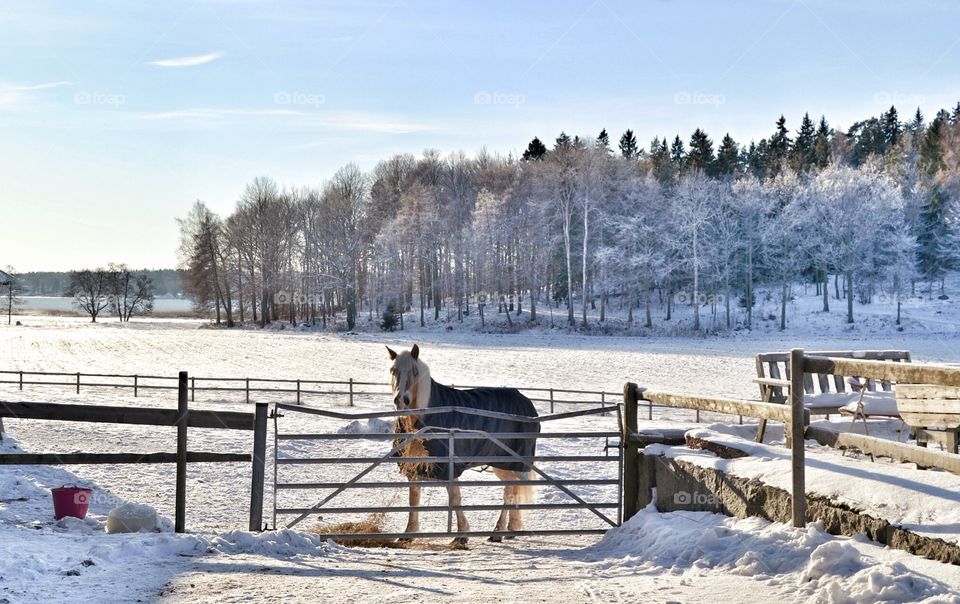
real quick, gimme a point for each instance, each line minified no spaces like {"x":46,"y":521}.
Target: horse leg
{"x":453,"y":492}
{"x":413,"y":519}
{"x":509,"y":499}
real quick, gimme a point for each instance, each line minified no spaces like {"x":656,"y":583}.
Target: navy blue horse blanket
{"x":500,"y":400}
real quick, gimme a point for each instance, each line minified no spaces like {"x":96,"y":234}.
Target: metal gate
{"x":580,"y":475}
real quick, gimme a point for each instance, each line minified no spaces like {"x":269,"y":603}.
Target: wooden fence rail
{"x":796,"y":418}
{"x":182,"y":418}
{"x":297,"y":388}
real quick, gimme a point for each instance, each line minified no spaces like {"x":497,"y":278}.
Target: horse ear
{"x":415,"y":351}
{"x":392,"y":354}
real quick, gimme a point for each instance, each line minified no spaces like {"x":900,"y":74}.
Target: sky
{"x":116,"y":115}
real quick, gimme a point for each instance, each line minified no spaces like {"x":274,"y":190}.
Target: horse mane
{"x":424,"y":385}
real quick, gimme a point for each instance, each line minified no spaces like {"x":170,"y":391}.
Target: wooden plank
{"x":144,"y":416}
{"x":824,"y":381}
{"x":183,"y":413}
{"x":257,"y":473}
{"x":631,"y":453}
{"x":930,"y":420}
{"x":872,"y":445}
{"x":902,"y":373}
{"x":63,"y":459}
{"x":771,"y":411}
{"x":772,"y":382}
{"x":924,"y":391}
{"x":797,"y":426}
{"x":943,"y":406}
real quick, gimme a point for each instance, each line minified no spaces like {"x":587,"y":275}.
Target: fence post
{"x":21,"y":380}
{"x":298,"y":392}
{"x":631,"y":452}
{"x":603,"y":401}
{"x":551,"y":400}
{"x":257,"y":475}
{"x":797,"y":431}
{"x":193,"y":389}
{"x":135,"y":386}
{"x":78,"y":382}
{"x":351,"y":392}
{"x":182,"y":411}
{"x":248,"y":389}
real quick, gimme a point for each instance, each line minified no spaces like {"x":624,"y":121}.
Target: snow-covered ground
{"x":653,"y":556}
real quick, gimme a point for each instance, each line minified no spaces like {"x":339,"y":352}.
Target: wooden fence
{"x":182,"y":418}
{"x":296,"y":389}
{"x":795,"y":418}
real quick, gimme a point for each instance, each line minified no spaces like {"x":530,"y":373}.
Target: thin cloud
{"x":19,"y":94}
{"x":342,"y":120}
{"x":28,"y":87}
{"x":188,"y":61}
{"x":216,"y":114}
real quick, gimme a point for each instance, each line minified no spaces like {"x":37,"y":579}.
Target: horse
{"x":414,"y":388}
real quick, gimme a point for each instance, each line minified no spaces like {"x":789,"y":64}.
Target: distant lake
{"x":57,"y":303}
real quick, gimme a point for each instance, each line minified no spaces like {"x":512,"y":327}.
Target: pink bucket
{"x":71,"y":501}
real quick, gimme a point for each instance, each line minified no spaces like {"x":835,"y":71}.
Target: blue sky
{"x":115,"y":116}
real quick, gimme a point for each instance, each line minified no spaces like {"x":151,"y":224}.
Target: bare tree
{"x":91,"y":291}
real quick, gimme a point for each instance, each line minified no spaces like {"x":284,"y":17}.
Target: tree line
{"x":583,"y":225}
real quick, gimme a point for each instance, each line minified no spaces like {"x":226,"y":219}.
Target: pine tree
{"x":821,"y":145}
{"x":678,"y":155}
{"x":603,"y":140}
{"x":660,"y":161}
{"x":535,"y":150}
{"x":701,"y":155}
{"x":563,"y":142}
{"x":955,"y":116}
{"x":803,"y":156}
{"x":628,"y":144}
{"x":728,"y":157}
{"x":931,"y":146}
{"x":867,"y":138}
{"x":890,"y":126}
{"x":779,"y":147}
{"x":757,"y":158}
{"x":917,"y":124}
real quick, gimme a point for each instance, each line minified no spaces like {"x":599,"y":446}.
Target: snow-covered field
{"x":679,"y":556}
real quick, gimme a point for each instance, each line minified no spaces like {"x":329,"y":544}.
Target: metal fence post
{"x":182,"y":411}
{"x":551,"y":400}
{"x":631,"y":453}
{"x":78,"y":382}
{"x":351,"y":392}
{"x":135,"y":386}
{"x":797,"y":431}
{"x":298,"y":392}
{"x":193,"y":389}
{"x":257,"y":475}
{"x":248,"y":389}
{"x":21,"y":380}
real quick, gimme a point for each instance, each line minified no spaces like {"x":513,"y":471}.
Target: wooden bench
{"x":933,"y":412}
{"x":824,"y":393}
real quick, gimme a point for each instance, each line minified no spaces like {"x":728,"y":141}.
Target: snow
{"x":925,"y":502}
{"x":808,"y":564}
{"x":216,"y":562}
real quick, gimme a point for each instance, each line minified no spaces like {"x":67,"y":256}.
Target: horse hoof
{"x":510,"y":537}
{"x":495,"y":539}
{"x":459,"y":543}
{"x":404,"y":541}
